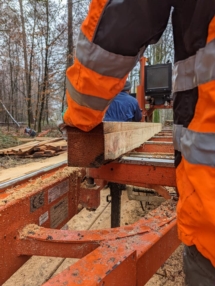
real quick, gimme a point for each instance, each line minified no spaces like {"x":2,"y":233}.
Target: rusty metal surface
{"x":107,"y":265}
{"x":106,"y":254}
{"x":161,"y":147}
{"x":126,"y":261}
{"x":162,"y":139}
{"x":134,"y":174}
{"x":45,"y":205}
{"x":90,"y":197}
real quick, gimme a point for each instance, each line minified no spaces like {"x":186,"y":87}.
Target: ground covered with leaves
{"x":8,"y":139}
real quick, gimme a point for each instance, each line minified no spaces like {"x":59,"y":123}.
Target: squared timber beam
{"x":107,"y":142}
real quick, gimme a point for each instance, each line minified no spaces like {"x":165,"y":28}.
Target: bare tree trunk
{"x":37,"y":104}
{"x":47,"y":107}
{"x":70,"y":45}
{"x":45,"y":79}
{"x":30,"y":113}
{"x":9,"y":114}
{"x":64,"y":95}
{"x":27,"y":74}
{"x":70,"y":33}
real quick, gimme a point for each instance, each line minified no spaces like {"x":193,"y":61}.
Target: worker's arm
{"x":112,"y":38}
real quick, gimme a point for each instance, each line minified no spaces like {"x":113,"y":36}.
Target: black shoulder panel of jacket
{"x":191,"y":19}
{"x":128,"y":25}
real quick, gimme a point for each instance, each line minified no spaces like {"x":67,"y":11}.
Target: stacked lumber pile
{"x":36,"y":149}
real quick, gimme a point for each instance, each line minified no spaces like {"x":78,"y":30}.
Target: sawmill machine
{"x":155,"y":89}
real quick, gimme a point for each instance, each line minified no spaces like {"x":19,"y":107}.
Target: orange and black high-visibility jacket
{"x":112,"y":38}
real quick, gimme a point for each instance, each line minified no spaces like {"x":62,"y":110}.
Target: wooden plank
{"x":15,"y":172}
{"x":53,"y":145}
{"x":17,"y":148}
{"x":127,"y":138}
{"x":106,"y":142}
{"x":33,"y":139}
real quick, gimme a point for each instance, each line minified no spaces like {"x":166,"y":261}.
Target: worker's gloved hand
{"x":62,"y":129}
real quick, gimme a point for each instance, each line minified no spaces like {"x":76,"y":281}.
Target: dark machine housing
{"x":158,"y":83}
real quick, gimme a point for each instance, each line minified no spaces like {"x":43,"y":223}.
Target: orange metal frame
{"x":40,"y":207}
{"x":124,"y":256}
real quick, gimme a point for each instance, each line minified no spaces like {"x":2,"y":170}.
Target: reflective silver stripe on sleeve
{"x":103,"y":62}
{"x":196,"y":70}
{"x":196,"y":147}
{"x":177,"y":133}
{"x":90,"y":101}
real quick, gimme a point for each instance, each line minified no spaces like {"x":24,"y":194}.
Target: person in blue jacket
{"x":124,"y":107}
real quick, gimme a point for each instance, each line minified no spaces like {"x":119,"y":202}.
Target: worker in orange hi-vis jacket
{"x":112,"y":38}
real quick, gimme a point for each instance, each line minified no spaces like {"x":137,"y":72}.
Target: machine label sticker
{"x":43,"y":218}
{"x":59,"y":212}
{"x":37,"y":201}
{"x":58,"y":190}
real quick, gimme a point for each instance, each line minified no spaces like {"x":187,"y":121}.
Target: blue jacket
{"x":123,"y":108}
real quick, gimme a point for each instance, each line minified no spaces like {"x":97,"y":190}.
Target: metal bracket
{"x":143,"y":197}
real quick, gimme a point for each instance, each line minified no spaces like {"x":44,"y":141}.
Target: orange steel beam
{"x":137,"y":175}
{"x":162,"y":138}
{"x":141,"y":88}
{"x":124,"y":261}
{"x":51,"y":205}
{"x":34,"y":240}
{"x":157,"y":147}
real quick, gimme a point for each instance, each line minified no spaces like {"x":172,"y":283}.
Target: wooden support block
{"x":106,"y":142}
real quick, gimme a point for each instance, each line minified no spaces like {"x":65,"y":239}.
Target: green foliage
{"x":156,"y":116}
{"x":7,"y":140}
